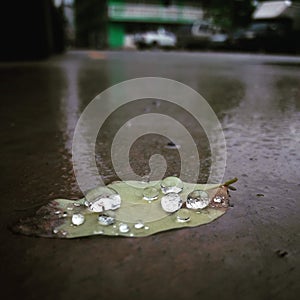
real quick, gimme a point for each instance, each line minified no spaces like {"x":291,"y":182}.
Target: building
{"x":102,"y":24}
{"x":125,"y":18}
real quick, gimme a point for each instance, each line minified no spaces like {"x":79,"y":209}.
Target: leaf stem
{"x":229,"y":182}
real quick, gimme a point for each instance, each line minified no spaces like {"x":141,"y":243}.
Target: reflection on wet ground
{"x":257,"y":99}
{"x":265,"y":126}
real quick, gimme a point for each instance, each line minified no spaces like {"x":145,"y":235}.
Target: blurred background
{"x":37,"y":29}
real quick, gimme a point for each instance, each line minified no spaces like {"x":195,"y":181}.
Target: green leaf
{"x":55,"y":218}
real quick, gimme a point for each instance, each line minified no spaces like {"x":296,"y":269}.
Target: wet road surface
{"x":250,"y":253}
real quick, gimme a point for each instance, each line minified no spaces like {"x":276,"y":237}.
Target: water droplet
{"x":183,"y":215}
{"x":147,"y":228}
{"x":98,"y":231}
{"x":139,"y":225}
{"x":150,"y":193}
{"x":76,"y":204}
{"x":197,"y":199}
{"x":70,"y":207}
{"x":106,"y":220}
{"x":124,"y":228}
{"x":64,"y":232}
{"x":98,"y":206}
{"x":171,"y":202}
{"x":55,"y":230}
{"x":105,"y":202}
{"x":65,"y":214}
{"x":171,"y":184}
{"x":131,"y":234}
{"x":218,"y":199}
{"x":78,"y":219}
{"x":115,"y":201}
{"x":87,"y":203}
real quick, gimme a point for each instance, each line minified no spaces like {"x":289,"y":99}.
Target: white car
{"x":153,"y":39}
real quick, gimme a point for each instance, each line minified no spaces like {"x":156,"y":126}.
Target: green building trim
{"x":116,"y":35}
{"x":122,"y":12}
{"x":152,"y":20}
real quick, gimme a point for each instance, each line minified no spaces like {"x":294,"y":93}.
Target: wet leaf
{"x":136,"y":217}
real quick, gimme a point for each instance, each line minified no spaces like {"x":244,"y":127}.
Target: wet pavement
{"x":250,"y":253}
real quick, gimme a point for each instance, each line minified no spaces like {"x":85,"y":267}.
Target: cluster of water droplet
{"x":104,"y":204}
{"x":171,"y":202}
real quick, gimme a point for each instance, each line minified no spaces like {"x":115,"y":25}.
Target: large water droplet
{"x":78,"y":219}
{"x":124,"y":228}
{"x":106,"y":220}
{"x":105,"y":202}
{"x":171,"y":184}
{"x":171,"y":202}
{"x":150,"y":193}
{"x":98,"y":206}
{"x":197,"y":199}
{"x":183,"y":215}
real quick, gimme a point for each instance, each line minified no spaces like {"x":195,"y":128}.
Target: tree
{"x":229,"y":14}
{"x":91,"y":22}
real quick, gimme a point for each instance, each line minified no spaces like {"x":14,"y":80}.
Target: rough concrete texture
{"x":252,"y":252}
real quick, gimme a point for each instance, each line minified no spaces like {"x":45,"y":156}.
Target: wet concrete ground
{"x":250,"y":253}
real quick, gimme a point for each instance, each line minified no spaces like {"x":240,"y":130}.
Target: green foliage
{"x":229,"y":14}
